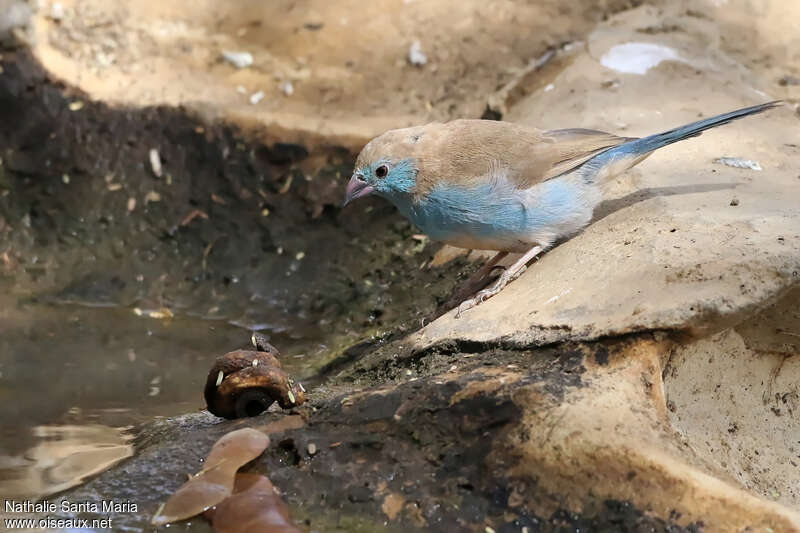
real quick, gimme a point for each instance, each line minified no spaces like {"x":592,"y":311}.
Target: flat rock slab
{"x":682,"y":243}
{"x":322,"y":72}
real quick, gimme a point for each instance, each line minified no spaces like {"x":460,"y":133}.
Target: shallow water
{"x":75,"y":380}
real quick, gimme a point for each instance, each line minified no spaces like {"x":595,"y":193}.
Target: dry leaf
{"x":215,"y":482}
{"x":193,"y":215}
{"x":255,"y":507}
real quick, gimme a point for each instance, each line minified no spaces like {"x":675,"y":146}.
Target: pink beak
{"x":357,"y":188}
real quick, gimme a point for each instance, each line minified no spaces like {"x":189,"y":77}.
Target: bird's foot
{"x":505,"y":278}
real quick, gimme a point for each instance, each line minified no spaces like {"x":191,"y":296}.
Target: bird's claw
{"x":506,"y":278}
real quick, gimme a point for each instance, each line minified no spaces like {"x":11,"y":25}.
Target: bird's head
{"x":387,"y":166}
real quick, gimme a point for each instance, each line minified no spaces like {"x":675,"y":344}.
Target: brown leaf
{"x":193,"y":215}
{"x":215,"y":482}
{"x":255,"y":507}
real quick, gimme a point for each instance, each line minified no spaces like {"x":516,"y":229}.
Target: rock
{"x":652,"y":260}
{"x":343,"y":69}
{"x":287,"y":88}
{"x":238,"y":59}
{"x":510,"y":437}
{"x":256,"y":97}
{"x":416,"y":56}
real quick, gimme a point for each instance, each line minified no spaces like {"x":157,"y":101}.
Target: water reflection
{"x":62,"y":457}
{"x":74,"y":379}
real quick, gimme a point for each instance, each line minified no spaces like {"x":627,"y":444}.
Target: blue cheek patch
{"x":402,"y":178}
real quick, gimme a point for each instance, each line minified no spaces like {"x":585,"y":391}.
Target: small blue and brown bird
{"x":489,"y":185}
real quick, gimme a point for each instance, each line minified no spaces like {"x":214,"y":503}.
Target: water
{"x":74,"y":381}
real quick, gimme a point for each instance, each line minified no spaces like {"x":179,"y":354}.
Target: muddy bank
{"x":230,"y":231}
{"x":233,"y":235}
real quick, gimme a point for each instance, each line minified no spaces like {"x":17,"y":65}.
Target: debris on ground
{"x":256,"y":97}
{"x":245,"y":383}
{"x":238,"y":59}
{"x":155,"y":162}
{"x":215,"y":482}
{"x":287,"y":88}
{"x":738,"y":162}
{"x":415,"y":54}
{"x":254,"y":506}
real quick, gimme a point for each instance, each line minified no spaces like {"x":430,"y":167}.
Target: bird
{"x":503,"y":186}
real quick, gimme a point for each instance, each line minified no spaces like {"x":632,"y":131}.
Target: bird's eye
{"x":382,"y":171}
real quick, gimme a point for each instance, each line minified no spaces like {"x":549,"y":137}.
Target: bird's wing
{"x":464,"y":152}
{"x":567,"y":149}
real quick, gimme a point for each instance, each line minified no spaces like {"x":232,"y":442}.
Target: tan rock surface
{"x":613,"y":440}
{"x":668,"y":250}
{"x":347,"y":61}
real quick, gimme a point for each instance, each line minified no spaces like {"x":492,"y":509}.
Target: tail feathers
{"x":654,"y":142}
{"x":616,"y":160}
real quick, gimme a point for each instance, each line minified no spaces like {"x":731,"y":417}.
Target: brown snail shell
{"x":245,"y":383}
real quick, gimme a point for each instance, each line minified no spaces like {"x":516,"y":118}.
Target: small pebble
{"x":238,"y":59}
{"x":57,"y":11}
{"x":152,"y":196}
{"x":415,"y":54}
{"x":312,"y":448}
{"x":155,"y":162}
{"x":256,"y":97}
{"x":287,"y":88}
{"x":734,"y":201}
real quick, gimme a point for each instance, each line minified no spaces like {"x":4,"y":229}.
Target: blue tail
{"x":622,"y":157}
{"x":654,"y":142}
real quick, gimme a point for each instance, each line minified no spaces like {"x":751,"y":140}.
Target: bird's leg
{"x":474,"y":283}
{"x":477,"y":280}
{"x":510,"y":274}
{"x":485,"y":270}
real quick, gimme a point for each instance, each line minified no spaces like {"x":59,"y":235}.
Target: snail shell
{"x":245,"y":383}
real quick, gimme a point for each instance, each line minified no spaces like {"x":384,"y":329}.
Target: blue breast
{"x":494,"y":214}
